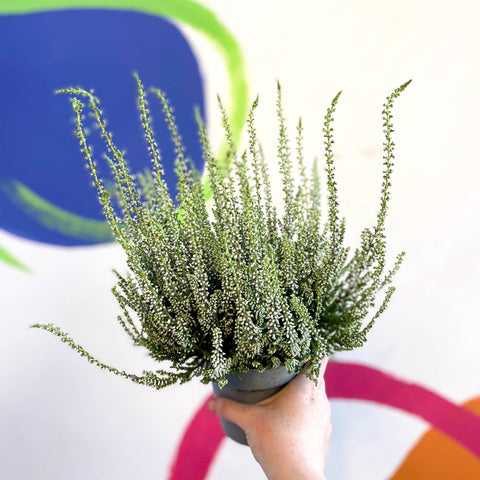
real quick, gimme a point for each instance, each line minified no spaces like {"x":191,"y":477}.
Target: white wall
{"x":61,"y":418}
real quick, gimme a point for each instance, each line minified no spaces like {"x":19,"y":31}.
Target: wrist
{"x":305,"y":472}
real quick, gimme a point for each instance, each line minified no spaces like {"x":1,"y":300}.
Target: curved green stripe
{"x":7,"y":257}
{"x":186,"y":11}
{"x":56,"y":218}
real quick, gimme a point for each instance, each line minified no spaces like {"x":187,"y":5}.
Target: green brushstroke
{"x":7,"y":257}
{"x":56,"y":218}
{"x":186,"y":11}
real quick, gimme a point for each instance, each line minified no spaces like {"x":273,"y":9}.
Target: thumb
{"x":230,"y":410}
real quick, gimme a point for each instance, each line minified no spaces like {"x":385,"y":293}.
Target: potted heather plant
{"x":220,"y":284}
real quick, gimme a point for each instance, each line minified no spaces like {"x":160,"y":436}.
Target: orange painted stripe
{"x":437,"y":456}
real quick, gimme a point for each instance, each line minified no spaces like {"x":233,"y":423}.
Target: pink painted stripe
{"x":350,"y":381}
{"x":353,"y":381}
{"x":198,"y":447}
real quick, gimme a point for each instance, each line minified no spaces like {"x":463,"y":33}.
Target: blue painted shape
{"x":97,"y":49}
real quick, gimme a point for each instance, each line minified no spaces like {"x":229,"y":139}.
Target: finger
{"x":321,"y":371}
{"x":323,"y":366}
{"x":300,"y":387}
{"x":230,"y":410}
{"x":302,"y":378}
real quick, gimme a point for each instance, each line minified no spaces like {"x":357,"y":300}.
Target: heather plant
{"x":218,"y":280}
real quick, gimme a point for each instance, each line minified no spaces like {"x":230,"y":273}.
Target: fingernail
{"x":211,"y":405}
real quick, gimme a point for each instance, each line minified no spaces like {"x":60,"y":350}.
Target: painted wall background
{"x":62,"y":418}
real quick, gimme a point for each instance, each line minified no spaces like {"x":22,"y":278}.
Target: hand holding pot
{"x":288,"y":433}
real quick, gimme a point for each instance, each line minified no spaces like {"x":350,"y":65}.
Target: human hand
{"x":288,"y":433}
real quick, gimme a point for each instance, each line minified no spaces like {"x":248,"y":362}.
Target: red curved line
{"x":204,"y":435}
{"x":353,"y":381}
{"x":198,"y":447}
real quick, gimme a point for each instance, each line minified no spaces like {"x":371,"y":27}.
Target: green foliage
{"x":228,"y":285}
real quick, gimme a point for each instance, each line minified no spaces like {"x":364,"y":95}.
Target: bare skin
{"x":287,"y":433}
